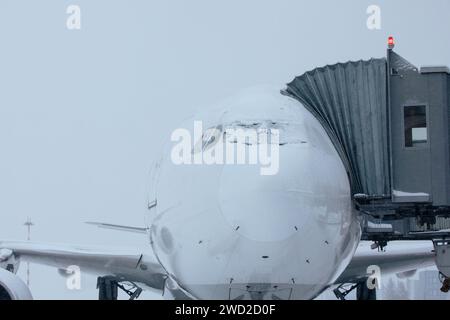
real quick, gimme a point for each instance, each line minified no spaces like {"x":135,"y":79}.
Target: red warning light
{"x":391,"y":42}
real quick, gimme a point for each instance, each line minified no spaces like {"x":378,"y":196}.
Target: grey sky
{"x":84,"y":112}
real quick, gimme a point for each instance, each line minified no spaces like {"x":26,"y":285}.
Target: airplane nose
{"x":273,"y":208}
{"x":223,"y":229}
{"x":258,"y":207}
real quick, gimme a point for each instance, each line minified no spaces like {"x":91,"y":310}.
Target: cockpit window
{"x":211,"y":136}
{"x":287,"y":132}
{"x":253,"y":133}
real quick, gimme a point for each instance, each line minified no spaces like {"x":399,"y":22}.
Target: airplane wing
{"x":118,"y":227}
{"x":128,"y":264}
{"x":143,"y":268}
{"x":399,"y":257}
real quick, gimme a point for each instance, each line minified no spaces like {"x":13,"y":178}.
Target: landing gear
{"x":343,"y":290}
{"x":108,"y":288}
{"x":445,"y":282}
{"x":362,"y":291}
{"x":442,"y":249}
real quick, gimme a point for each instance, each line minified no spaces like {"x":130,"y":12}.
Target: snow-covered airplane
{"x":228,"y":232}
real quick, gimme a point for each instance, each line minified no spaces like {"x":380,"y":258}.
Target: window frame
{"x":427,"y":121}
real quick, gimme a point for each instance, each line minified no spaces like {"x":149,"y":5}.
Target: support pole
{"x":28,"y":224}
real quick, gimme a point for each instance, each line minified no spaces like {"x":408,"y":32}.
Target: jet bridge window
{"x":415,"y":124}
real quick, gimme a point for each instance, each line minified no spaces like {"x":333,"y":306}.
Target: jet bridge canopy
{"x":349,"y":99}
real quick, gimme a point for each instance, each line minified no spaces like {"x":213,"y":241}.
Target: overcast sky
{"x":83,"y":113}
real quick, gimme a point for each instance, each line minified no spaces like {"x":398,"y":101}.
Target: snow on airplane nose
{"x":227,"y":231}
{"x":274,"y":208}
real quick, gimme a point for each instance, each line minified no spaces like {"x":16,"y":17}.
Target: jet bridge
{"x":389,"y":122}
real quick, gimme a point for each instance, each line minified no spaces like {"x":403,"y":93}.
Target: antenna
{"x":28,"y":224}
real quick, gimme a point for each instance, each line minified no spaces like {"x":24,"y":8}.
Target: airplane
{"x":227,"y":232}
